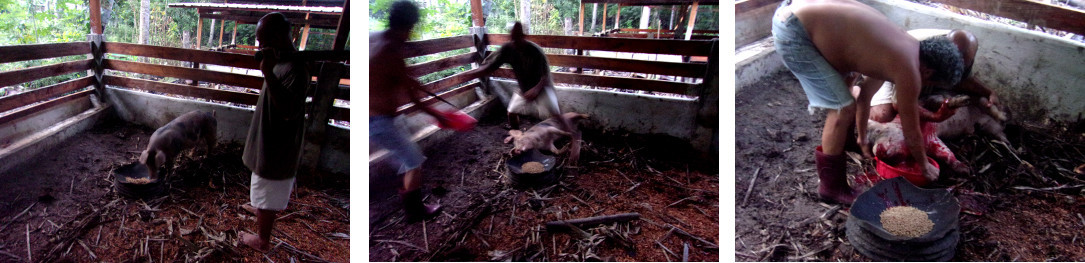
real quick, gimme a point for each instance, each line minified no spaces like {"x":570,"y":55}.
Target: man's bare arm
{"x":862,"y":111}
{"x":907,"y":107}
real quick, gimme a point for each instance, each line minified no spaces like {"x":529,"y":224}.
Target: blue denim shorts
{"x":824,"y":86}
{"x":384,"y":133}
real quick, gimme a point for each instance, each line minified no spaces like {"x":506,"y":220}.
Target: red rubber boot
{"x":832,"y":170}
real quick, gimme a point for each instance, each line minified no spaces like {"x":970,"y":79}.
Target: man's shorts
{"x":544,"y":106}
{"x":824,"y":86}
{"x":383,"y":132}
{"x":885,"y":95}
{"x":269,"y":194}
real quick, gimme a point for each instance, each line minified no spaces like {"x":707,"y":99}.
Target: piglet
{"x":542,"y":135}
{"x":184,"y":132}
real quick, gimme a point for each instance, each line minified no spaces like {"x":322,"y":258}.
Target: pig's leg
{"x":941,"y":152}
{"x":990,"y":126}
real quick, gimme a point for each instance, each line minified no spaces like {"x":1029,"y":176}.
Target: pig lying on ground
{"x":182,"y":133}
{"x":972,"y":114}
{"x":542,"y":135}
{"x":886,"y":141}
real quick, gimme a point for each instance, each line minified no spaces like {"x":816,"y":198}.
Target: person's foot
{"x":249,"y":208}
{"x":832,"y":173}
{"x":839,"y":195}
{"x":415,"y":209}
{"x":253,"y":241}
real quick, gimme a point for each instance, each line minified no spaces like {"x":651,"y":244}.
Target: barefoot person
{"x":390,"y":87}
{"x":823,"y":41}
{"x":273,"y":146}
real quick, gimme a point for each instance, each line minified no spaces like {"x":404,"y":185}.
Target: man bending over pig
{"x":273,"y":146}
{"x":390,"y":87}
{"x":823,"y":41}
{"x":882,"y":107}
{"x":532,"y":74}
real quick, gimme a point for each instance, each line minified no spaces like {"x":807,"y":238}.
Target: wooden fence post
{"x":323,"y":99}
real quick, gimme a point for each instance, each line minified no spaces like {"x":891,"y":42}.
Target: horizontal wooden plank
{"x":654,"y":46}
{"x":613,"y":82}
{"x":40,"y":107}
{"x":653,"y":2}
{"x":15,"y":53}
{"x":338,"y":113}
{"x":629,"y":65}
{"x":183,"y":54}
{"x":638,"y":30}
{"x":185,"y":73}
{"x":421,"y":69}
{"x":743,"y":6}
{"x":438,"y":45}
{"x":318,"y":22}
{"x":30,"y":74}
{"x":447,"y":82}
{"x":411,"y":108}
{"x":184,"y":90}
{"x":26,"y":98}
{"x":1032,"y":12}
{"x":661,"y":36}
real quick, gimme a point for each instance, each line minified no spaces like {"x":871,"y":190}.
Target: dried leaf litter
{"x":906,"y":221}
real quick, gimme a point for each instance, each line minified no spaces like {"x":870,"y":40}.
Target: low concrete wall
{"x":154,"y":111}
{"x":610,"y":110}
{"x":754,"y":25}
{"x":756,"y":61}
{"x":1035,"y":74}
{"x":50,"y":136}
{"x":28,"y":125}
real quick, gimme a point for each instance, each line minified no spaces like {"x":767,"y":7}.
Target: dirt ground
{"x":62,"y":203}
{"x":1024,"y":205}
{"x":487,"y":219}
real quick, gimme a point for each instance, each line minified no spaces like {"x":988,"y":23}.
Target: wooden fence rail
{"x":631,"y":65}
{"x":433,"y":46}
{"x":34,"y":73}
{"x":182,"y":54}
{"x":183,"y":90}
{"x":1031,"y":12}
{"x":654,"y":46}
{"x":26,"y":98}
{"x":42,"y":51}
{"x":48,"y":104}
{"x":232,"y":79}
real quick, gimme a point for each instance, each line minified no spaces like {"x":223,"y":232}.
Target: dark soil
{"x":75,"y":214}
{"x":1012,"y":210}
{"x":486,"y":218}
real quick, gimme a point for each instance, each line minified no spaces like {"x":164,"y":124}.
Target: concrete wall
{"x":754,"y":25}
{"x":1037,"y":75}
{"x":153,"y":111}
{"x":27,"y":147}
{"x":28,"y":125}
{"x":610,"y":110}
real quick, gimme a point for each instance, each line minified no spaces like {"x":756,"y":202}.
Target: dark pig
{"x":183,"y":133}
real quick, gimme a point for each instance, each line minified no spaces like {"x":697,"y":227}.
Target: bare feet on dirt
{"x":253,"y":241}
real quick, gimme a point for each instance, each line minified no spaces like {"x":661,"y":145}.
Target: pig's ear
{"x":513,"y":134}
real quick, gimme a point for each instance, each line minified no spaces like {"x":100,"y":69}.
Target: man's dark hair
{"x":403,"y":15}
{"x":276,"y":21}
{"x":942,"y":56}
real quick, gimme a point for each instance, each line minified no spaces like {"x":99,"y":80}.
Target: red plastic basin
{"x":910,"y":170}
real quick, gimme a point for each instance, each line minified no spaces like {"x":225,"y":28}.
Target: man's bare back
{"x":388,"y":79}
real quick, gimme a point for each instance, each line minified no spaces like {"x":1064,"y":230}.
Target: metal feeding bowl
{"x":519,"y":177}
{"x":133,"y":181}
{"x":866,"y":233}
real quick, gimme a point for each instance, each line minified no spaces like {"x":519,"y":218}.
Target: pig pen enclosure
{"x":1024,"y":202}
{"x":62,"y":142}
{"x":648,"y":147}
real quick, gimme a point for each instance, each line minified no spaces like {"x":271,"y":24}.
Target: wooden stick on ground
{"x":563,"y":225}
{"x":29,"y":256}
{"x":17,"y":217}
{"x":750,"y":189}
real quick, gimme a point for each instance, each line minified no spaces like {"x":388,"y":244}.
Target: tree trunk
{"x":144,"y":21}
{"x":594,"y":7}
{"x":645,"y":16}
{"x":211,"y":34}
{"x":525,"y":15}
